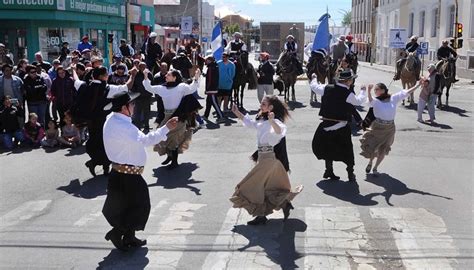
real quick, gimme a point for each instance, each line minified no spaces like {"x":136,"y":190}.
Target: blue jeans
{"x":8,"y":137}
{"x":40,"y":110}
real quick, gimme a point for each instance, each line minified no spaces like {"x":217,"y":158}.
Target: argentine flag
{"x":216,"y":42}
{"x":322,"y":37}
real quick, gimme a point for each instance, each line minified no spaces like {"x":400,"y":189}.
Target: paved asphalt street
{"x":417,"y":214}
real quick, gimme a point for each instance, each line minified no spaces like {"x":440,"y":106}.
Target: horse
{"x":288,"y":71}
{"x":408,"y":76}
{"x":317,"y":64}
{"x":244,"y":73}
{"x":446,"y":70}
{"x":196,"y":60}
{"x":351,"y":59}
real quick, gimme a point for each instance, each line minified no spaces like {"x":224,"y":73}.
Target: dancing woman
{"x":267,"y":186}
{"x":177,"y":101}
{"x":378,"y":139}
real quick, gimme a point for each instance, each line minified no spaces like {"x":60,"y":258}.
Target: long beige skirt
{"x":178,"y":138}
{"x":265,"y":188}
{"x":377,"y":139}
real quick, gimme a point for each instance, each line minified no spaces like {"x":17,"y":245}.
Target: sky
{"x":307,"y":11}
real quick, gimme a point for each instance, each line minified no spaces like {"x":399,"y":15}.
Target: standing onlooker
{"x":265,"y":74}
{"x":35,"y":93}
{"x":429,"y":94}
{"x":226,"y":80}
{"x":168,"y":56}
{"x":119,"y":77}
{"x":11,"y":85}
{"x":33,"y":131}
{"x":52,"y":72}
{"x":21,"y":68}
{"x":10,"y":118}
{"x":42,"y":73}
{"x":117,"y":61}
{"x":39,"y":61}
{"x":152,"y":50}
{"x":64,"y":52}
{"x":212,"y":87}
{"x":84,"y":44}
{"x":182,"y":63}
{"x":125,"y":49}
{"x":160,"y":79}
{"x":141,"y":114}
{"x":63,"y":92}
{"x":51,"y":135}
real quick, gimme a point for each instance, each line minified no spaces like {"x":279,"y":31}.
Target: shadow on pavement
{"x":292,"y":105}
{"x":394,"y":186}
{"x":277,"y":238}
{"x":180,"y":177}
{"x":89,"y":189}
{"x":133,"y":259}
{"x":76,"y":151}
{"x":455,"y":110}
{"x":346,"y":191}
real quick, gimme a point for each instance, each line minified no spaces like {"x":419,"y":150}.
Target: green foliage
{"x":346,"y":18}
{"x":231,"y":29}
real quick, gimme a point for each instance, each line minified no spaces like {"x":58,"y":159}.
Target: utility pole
{"x":455,"y":27}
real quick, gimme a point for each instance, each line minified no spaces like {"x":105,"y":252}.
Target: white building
{"x":432,"y":21}
{"x":207,"y":25}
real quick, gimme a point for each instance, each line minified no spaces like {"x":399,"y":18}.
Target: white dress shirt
{"x":265,"y":133}
{"x":385,"y":110}
{"x":125,"y":144}
{"x":171,"y":96}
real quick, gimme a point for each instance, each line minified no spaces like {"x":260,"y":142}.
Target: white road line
{"x":335,"y":238}
{"x":235,"y":234}
{"x":172,"y":235}
{"x":23,"y":212}
{"x":87,"y":219}
{"x":420,"y":237}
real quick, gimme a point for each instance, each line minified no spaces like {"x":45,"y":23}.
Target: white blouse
{"x":318,"y":89}
{"x":171,"y":96}
{"x":385,"y":110}
{"x":125,"y":144}
{"x":265,"y":133}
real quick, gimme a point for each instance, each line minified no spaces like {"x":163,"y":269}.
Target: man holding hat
{"x":127,"y":205}
{"x":339,"y":49}
{"x":332,"y":140}
{"x":84,"y":44}
{"x":265,"y":74}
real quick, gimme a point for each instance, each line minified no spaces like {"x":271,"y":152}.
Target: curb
{"x":367,"y":65}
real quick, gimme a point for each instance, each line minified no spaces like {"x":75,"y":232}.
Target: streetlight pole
{"x":455,"y":26}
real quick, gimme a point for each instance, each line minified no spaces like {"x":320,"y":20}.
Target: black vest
{"x":334,"y":105}
{"x":290,"y":46}
{"x":236,"y":46}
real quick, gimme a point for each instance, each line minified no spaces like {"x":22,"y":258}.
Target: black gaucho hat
{"x":345,"y":75}
{"x":120,"y":99}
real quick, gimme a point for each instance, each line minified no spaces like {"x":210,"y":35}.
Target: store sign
{"x":134,"y":14}
{"x":86,"y":6}
{"x":186,"y":25}
{"x":398,"y":37}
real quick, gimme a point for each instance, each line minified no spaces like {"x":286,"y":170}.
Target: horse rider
{"x":291,"y":47}
{"x":410,"y":47}
{"x":339,"y":50}
{"x":236,"y":46}
{"x":349,"y":43}
{"x":444,"y":53}
{"x":125,"y":49}
{"x":193,"y":45}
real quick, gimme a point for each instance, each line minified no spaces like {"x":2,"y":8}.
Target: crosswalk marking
{"x":335,"y":236}
{"x":172,"y":234}
{"x":235,"y":245}
{"x":24,"y":212}
{"x":420,"y":237}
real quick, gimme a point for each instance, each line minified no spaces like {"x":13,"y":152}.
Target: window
{"x":434,"y":23}
{"x":51,"y":39}
{"x":450,"y":26}
{"x":422,"y":24}
{"x":410,"y":24}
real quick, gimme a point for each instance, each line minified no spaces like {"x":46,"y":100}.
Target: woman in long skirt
{"x":378,"y":139}
{"x":267,"y":186}
{"x":178,"y":101}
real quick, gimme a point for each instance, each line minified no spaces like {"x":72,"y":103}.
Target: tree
{"x":231,"y":29}
{"x":346,"y":17}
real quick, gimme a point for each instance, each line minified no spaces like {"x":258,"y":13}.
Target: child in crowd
{"x":70,"y":135}
{"x":33,"y":131}
{"x":52,"y":135}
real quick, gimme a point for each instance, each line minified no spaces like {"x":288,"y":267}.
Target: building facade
{"x":363,"y":27}
{"x":27,"y":27}
{"x":432,"y":21}
{"x":140,"y":21}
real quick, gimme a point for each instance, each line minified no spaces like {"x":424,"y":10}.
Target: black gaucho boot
{"x":350,"y":173}
{"x":259,"y":220}
{"x":130,"y":240}
{"x":329,"y":173}
{"x":115,"y":236}
{"x":91,"y":166}
{"x":168,"y":159}
{"x":174,"y":160}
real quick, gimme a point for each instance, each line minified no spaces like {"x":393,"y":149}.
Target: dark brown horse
{"x":244,"y":73}
{"x":446,"y":69}
{"x":317,"y":64}
{"x":288,"y":71}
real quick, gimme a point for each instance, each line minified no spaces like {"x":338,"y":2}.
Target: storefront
{"x":29,"y":26}
{"x":141,"y":20}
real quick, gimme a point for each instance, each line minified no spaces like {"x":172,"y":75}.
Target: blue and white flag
{"x":322,"y":37}
{"x":216,"y":42}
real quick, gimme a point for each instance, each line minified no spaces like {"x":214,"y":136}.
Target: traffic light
{"x":459,"y":44}
{"x":459,"y":30}
{"x":452,"y":44}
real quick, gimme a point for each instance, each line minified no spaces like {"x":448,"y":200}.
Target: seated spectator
{"x":10,"y":117}
{"x":70,"y":136}
{"x":33,"y":131}
{"x":52,"y":135}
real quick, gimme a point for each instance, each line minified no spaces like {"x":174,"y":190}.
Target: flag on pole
{"x":322,"y":37}
{"x":216,"y":42}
